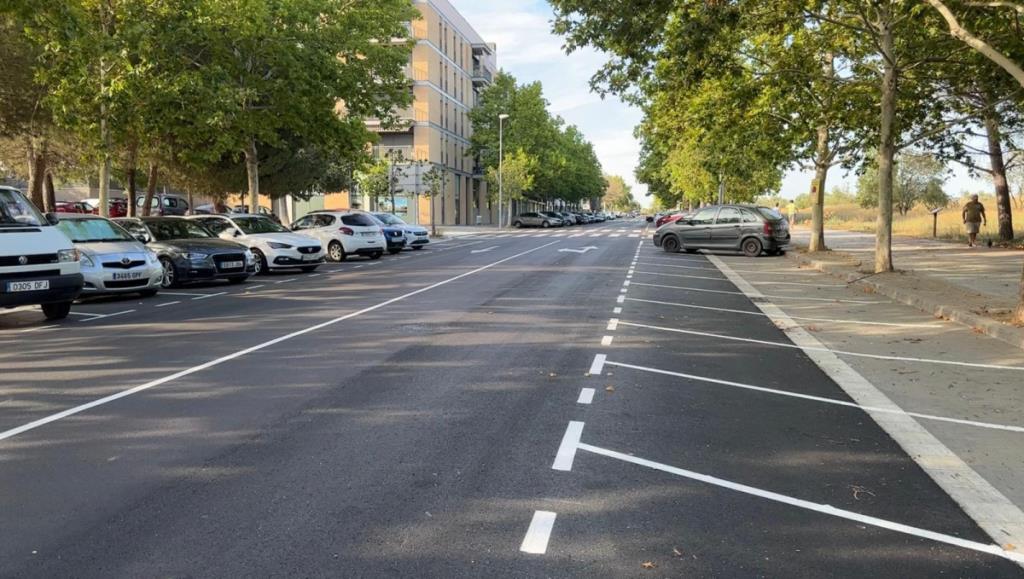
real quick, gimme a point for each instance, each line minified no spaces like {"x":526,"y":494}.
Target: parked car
{"x":394,"y":236}
{"x":273,"y":246}
{"x":554,"y":215}
{"x":163,"y":204}
{"x":261,"y":210}
{"x":568,"y":218}
{"x":38,"y":263}
{"x":344,"y":233}
{"x":117,"y":207}
{"x":416,"y":236}
{"x":113,"y":262}
{"x":752,"y":230}
{"x":188,"y":252}
{"x":672,"y":218}
{"x":211,"y":209}
{"x":535,"y":219}
{"x":72,"y":207}
{"x":598,"y":218}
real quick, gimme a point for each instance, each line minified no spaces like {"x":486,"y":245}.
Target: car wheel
{"x":336,"y":252}
{"x":148,"y":293}
{"x":261,"y":262}
{"x":57,"y":311}
{"x":752,"y":247}
{"x":518,"y":225}
{"x":170,"y":278}
{"x":309,"y":268}
{"x":545,"y":225}
{"x":395,"y":251}
{"x":690,"y":250}
{"x":670,"y":244}
{"x":376,"y":255}
{"x":237,"y":279}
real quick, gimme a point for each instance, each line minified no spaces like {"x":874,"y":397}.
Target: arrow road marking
{"x":580,"y":250}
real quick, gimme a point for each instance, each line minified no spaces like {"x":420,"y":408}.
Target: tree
{"x":618,"y":195}
{"x":517,"y":177}
{"x":918,"y":179}
{"x":436,"y":180}
{"x":375,"y":181}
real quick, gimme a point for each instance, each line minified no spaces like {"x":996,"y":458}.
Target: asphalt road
{"x":488,"y":407}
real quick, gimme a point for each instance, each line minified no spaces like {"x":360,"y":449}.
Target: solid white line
{"x":607,"y":340}
{"x":186,"y":294}
{"x":597,"y":366}
{"x":217,"y":362}
{"x":997,"y":515}
{"x":586,"y":396}
{"x":37,"y":329}
{"x":697,"y":289}
{"x":167,"y":304}
{"x":285,"y":281}
{"x":208,"y":296}
{"x":108,"y":316}
{"x":616,"y":311}
{"x":806,"y":319}
{"x":799,"y":283}
{"x":811,"y":506}
{"x":84,"y":314}
{"x":822,"y":348}
{"x":683,"y":276}
{"x":567,"y":449}
{"x":318,"y":275}
{"x":536,"y":540}
{"x":612,"y":324}
{"x":252,"y":287}
{"x":989,"y":425}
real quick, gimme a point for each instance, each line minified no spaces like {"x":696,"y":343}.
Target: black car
{"x":747,"y":228}
{"x":189,"y":252}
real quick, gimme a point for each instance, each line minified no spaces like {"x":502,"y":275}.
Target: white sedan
{"x":273,"y":246}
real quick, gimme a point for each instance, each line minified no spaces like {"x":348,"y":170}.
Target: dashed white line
{"x":620,"y":299}
{"x":567,"y":449}
{"x":607,"y":340}
{"x":536,"y":540}
{"x":586,"y":396}
{"x":285,"y":281}
{"x":613,"y":324}
{"x":208,"y":296}
{"x":597,"y":366}
{"x":616,"y":311}
{"x":164,"y":305}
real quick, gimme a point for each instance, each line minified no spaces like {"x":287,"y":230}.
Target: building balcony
{"x":482,"y":76}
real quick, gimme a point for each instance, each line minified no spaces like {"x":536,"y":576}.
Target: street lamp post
{"x":501,"y":167}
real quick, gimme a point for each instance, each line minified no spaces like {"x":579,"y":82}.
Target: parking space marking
{"x":612,"y":324}
{"x":617,"y":310}
{"x":586,"y":396}
{"x":184,"y":294}
{"x":682,"y":276}
{"x":620,"y":299}
{"x":262,"y":346}
{"x":208,"y":296}
{"x":697,"y":289}
{"x":840,"y":285}
{"x":252,"y":287}
{"x":100,"y":317}
{"x":597,"y":366}
{"x":167,"y":304}
{"x":988,"y":548}
{"x":607,"y":340}
{"x":285,"y":281}
{"x":537,"y":535}
{"x":38,"y":329}
{"x":567,"y":449}
{"x":994,"y":513}
{"x":84,"y":314}
{"x":822,"y":399}
{"x":802,"y":318}
{"x":822,"y":348}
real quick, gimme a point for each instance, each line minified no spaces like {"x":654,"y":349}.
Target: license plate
{"x":368,"y":234}
{"x":231,"y":265}
{"x":128,"y":275}
{"x":309,"y":257}
{"x":28,"y":286}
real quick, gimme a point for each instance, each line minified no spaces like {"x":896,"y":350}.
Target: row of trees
{"x":546,"y":160}
{"x":736,"y":92}
{"x":208,"y":95}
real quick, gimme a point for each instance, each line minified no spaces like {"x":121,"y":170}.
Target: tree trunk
{"x":147,"y":203}
{"x":191,"y":204}
{"x":886,"y":150}
{"x":821,"y":164}
{"x":104,"y":195}
{"x":998,"y":167}
{"x":49,"y":192}
{"x":36,"y":172}
{"x":132,"y":189}
{"x":1018,"y":316}
{"x":252,"y":171}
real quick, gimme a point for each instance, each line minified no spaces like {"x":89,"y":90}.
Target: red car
{"x":118,"y":208}
{"x":72,"y":207}
{"x":670,"y":218}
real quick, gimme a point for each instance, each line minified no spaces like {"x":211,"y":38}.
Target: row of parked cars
{"x":53,"y":259}
{"x":547,"y":219}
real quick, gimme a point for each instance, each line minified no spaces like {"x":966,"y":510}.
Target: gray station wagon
{"x":752,"y":230}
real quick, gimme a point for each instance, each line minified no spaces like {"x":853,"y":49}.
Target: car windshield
{"x":164,"y":229}
{"x":93,"y":231}
{"x":257,"y":225}
{"x":770,"y":213}
{"x":16,"y":211}
{"x":389,"y":219}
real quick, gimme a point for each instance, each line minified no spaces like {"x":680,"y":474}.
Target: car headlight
{"x":86,"y":260}
{"x":196,"y":256}
{"x":250,"y":258}
{"x":68,"y":255}
{"x":152,"y":258}
{"x":276,"y":245}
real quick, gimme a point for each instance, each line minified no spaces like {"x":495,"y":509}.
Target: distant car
{"x":163,"y":204}
{"x":117,"y":207}
{"x":72,"y":207}
{"x":535,"y":219}
{"x":261,"y":210}
{"x":343,"y":233}
{"x":747,"y":228}
{"x":416,"y":236}
{"x":211,"y":209}
{"x":555,"y":216}
{"x":188,"y":252}
{"x":273,"y":246}
{"x":113,"y":262}
{"x":671,"y":218}
{"x":394,"y":236}
{"x":583,"y":218}
{"x":568,"y":218}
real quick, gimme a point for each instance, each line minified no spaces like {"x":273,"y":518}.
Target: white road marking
{"x":318,"y":275}
{"x":586,"y":396}
{"x":492,"y":248}
{"x":997,"y":515}
{"x":683,"y":276}
{"x":536,"y":540}
{"x":806,"y":319}
{"x":616,"y":310}
{"x":84,"y":314}
{"x":612,"y":324}
{"x":185,"y":294}
{"x":607,"y":340}
{"x":208,"y":296}
{"x":626,"y":283}
{"x":634,"y":235}
{"x":223,"y":359}
{"x":252,"y":287}
{"x":697,"y":289}
{"x":822,"y":348}
{"x":811,"y":506}
{"x":615,"y":235}
{"x":567,"y":449}
{"x":623,"y":290}
{"x":825,"y":400}
{"x":108,"y":316}
{"x":167,"y":304}
{"x":597,"y":366}
{"x":800,"y":284}
{"x":38,"y":329}
{"x":620,"y":299}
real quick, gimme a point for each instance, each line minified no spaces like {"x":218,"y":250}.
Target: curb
{"x":992,"y":328}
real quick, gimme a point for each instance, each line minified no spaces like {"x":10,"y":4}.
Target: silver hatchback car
{"x":113,"y":262}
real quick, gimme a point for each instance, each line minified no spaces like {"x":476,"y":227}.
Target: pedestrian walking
{"x":792,"y":212}
{"x":974,"y":218}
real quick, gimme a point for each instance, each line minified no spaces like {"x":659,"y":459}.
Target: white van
{"x":38,"y":263}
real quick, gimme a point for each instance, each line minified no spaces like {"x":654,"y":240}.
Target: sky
{"x":530,"y":51}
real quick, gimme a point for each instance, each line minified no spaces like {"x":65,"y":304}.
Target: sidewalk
{"x":977,"y":287}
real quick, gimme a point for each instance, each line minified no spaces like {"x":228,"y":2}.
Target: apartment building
{"x":449,"y":66}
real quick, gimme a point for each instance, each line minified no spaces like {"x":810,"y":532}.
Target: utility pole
{"x":501,"y":167}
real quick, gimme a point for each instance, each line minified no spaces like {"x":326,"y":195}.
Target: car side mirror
{"x":52,"y":218}
{"x":143,"y":237}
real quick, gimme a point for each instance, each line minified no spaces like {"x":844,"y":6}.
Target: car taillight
{"x":768,"y":228}
{"x":347,"y":231}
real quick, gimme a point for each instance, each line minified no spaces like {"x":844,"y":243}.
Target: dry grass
{"x":916,"y":223}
